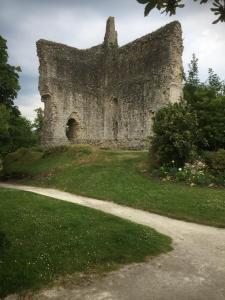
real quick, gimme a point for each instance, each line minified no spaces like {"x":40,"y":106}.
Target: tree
{"x":9,"y":78}
{"x":193,"y":74}
{"x":21,"y":132}
{"x":207,"y":100}
{"x":210,"y":110}
{"x":38,"y":122}
{"x":215,"y":83}
{"x":5,"y":138}
{"x":170,"y":7}
{"x":15,"y":130}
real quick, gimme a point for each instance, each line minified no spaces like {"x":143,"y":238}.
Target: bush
{"x":183,"y":131}
{"x":175,"y":130}
{"x":201,"y":178}
{"x":28,"y":162}
{"x":183,"y":175}
{"x":196,"y":173}
{"x":13,"y":162}
{"x":219,"y":179}
{"x":216,"y":160}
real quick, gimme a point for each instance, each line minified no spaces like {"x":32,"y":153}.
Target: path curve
{"x":194,"y":270}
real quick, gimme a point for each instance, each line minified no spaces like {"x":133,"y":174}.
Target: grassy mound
{"x":119,"y":176}
{"x":43,"y":238}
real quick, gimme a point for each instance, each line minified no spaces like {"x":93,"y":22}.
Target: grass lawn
{"x":42,"y":239}
{"x":119,"y":176}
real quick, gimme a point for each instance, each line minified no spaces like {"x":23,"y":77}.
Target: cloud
{"x":81,"y":24}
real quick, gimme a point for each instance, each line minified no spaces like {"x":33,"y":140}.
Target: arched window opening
{"x":71,"y":129}
{"x":115,"y":101}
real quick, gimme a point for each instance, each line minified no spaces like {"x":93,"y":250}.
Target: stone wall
{"x":107,"y":95}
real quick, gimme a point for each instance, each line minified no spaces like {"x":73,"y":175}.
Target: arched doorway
{"x":71,"y":130}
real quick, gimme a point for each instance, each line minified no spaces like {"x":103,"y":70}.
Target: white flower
{"x":180,"y":169}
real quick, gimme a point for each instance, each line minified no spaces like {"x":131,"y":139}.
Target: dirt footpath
{"x":194,"y":270}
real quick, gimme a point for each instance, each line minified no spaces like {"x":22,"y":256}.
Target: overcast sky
{"x":81,"y":23}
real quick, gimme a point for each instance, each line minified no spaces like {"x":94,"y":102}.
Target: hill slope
{"x":119,"y":176}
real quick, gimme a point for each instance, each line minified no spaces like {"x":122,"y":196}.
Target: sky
{"x":81,"y":24}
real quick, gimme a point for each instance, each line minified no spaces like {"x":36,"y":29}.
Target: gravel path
{"x":194,"y":270}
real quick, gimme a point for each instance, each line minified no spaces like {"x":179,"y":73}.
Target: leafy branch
{"x":170,"y":7}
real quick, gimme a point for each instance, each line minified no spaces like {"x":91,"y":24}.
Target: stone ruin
{"x":107,"y":95}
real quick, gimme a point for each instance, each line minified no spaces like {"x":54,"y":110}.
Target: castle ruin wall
{"x":107,"y":95}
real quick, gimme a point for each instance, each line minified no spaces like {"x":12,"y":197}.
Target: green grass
{"x":122,"y":177}
{"x":42,"y":239}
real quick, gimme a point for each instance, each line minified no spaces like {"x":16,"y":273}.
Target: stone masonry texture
{"x":107,"y":95}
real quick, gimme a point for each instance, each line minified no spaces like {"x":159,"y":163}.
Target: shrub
{"x":183,"y":175}
{"x":196,"y":173}
{"x":201,"y":178}
{"x":216,"y":160}
{"x":28,"y":162}
{"x":175,"y":129}
{"x":13,"y":162}
{"x":219,"y":179}
{"x":183,"y":131}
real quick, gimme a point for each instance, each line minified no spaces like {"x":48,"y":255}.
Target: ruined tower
{"x":110,"y":33}
{"x":107,"y":95}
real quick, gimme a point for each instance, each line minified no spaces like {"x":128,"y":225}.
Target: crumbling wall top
{"x":111,"y":33}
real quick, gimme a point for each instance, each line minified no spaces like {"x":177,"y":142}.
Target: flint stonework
{"x":107,"y":95}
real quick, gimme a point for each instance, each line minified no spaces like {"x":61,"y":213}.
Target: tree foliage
{"x":5,"y":138}
{"x":170,"y":7}
{"x":21,"y":132}
{"x":195,"y":124}
{"x":9,"y":77}
{"x":38,"y":122}
{"x":15,"y":130}
{"x":193,"y":73}
{"x":175,"y":130}
{"x":209,"y":105}
{"x":215,"y":83}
